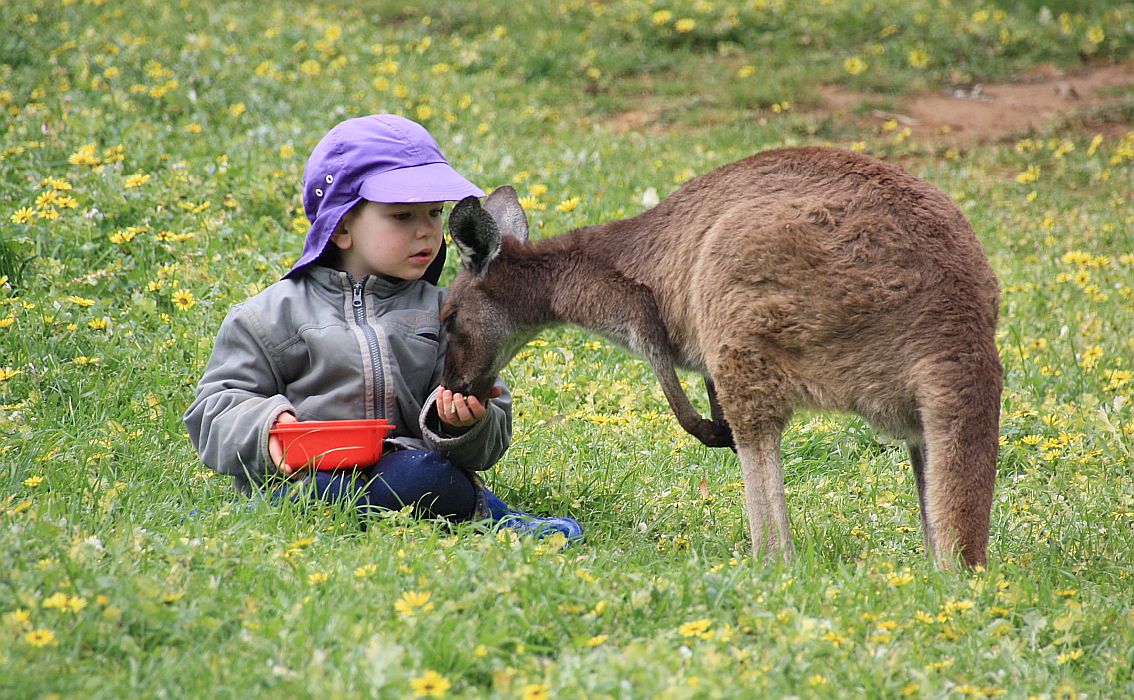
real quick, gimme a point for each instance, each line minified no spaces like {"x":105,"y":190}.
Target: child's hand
{"x":459,"y":411}
{"x":275,"y":449}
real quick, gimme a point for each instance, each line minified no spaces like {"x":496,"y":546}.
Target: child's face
{"x":394,"y":240}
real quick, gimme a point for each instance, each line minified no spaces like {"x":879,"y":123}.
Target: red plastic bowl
{"x":332,"y":444}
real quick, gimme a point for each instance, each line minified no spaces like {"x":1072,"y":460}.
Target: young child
{"x":353,"y":331}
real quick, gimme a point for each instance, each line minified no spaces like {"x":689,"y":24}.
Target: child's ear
{"x":341,"y":236}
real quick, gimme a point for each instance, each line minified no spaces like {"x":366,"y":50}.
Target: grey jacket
{"x":328,"y":348}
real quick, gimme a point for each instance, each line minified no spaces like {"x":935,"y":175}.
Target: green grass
{"x":179,"y":134}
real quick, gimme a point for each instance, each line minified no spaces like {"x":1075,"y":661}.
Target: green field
{"x":151,"y":155}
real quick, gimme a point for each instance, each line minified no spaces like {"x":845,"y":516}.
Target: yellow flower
{"x":432,"y":684}
{"x":47,"y":199}
{"x":23,"y":215}
{"x":413,"y":601}
{"x":80,"y":301}
{"x":136,"y":180}
{"x":684,"y":26}
{"x":7,"y":373}
{"x":98,"y":324}
{"x":1029,"y":176}
{"x":568,"y":204}
{"x":183,"y":299}
{"x":696,"y":628}
{"x":55,"y":183}
{"x":597,"y":640}
{"x":33,"y":481}
{"x":75,"y":604}
{"x":194,"y":128}
{"x":316,"y":578}
{"x":364,"y":571}
{"x":114,"y":154}
{"x":237,"y":109}
{"x":899,"y":580}
{"x":854,"y":65}
{"x":1095,"y":35}
{"x":287,"y":151}
{"x":86,"y":155}
{"x":661,"y":17}
{"x":40,"y":638}
{"x":18,"y":618}
{"x":536,"y":691}
{"x":310,"y":67}
{"x":57,"y":601}
{"x":918,"y":58}
{"x":746,"y":72}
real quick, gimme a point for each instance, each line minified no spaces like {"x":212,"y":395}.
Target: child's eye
{"x":402,"y":215}
{"x":436,"y":212}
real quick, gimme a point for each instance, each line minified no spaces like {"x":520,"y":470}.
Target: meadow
{"x":151,"y":155}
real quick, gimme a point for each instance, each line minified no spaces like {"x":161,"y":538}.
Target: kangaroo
{"x":795,"y":278}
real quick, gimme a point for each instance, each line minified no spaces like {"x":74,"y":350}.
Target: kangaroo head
{"x":480,"y":315}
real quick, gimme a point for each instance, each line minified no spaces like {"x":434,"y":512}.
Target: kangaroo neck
{"x":578,"y":278}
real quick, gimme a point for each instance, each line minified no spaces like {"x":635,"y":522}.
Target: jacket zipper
{"x":372,"y":343}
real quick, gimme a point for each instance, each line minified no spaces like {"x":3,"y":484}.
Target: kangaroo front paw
{"x":714,"y":434}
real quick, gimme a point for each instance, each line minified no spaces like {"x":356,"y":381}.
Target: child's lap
{"x":406,"y":477}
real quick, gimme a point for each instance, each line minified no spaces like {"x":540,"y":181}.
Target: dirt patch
{"x":984,"y":113}
{"x":638,"y":120}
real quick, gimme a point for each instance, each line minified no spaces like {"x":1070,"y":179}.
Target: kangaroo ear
{"x":505,"y":207}
{"x":475,"y":233}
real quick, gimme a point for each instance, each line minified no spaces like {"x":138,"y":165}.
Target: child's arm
{"x":238,"y":401}
{"x":469,"y":444}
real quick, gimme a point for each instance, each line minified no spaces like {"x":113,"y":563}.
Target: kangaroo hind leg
{"x":764,"y":497}
{"x":753,"y":396}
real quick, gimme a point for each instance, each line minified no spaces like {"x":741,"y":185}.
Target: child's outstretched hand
{"x":275,"y":449}
{"x":460,"y":411}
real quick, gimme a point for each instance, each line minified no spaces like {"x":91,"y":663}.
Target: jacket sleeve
{"x":238,"y":400}
{"x":483,"y":444}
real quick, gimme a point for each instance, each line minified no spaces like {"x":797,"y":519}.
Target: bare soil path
{"x":982,"y":113}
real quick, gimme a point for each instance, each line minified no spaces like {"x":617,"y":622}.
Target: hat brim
{"x":431,"y":182}
{"x":319,"y":235}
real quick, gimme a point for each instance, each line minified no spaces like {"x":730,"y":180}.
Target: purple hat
{"x":380,"y":158}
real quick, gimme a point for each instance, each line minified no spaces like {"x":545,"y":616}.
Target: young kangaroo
{"x":795,"y":278}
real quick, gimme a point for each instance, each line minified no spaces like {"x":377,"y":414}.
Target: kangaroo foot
{"x":713,"y":434}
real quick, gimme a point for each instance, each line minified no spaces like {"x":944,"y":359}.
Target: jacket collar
{"x":372,"y":284}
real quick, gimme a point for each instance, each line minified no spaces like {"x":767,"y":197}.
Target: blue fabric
{"x":432,"y":485}
{"x":421,"y":478}
{"x":526,"y":523}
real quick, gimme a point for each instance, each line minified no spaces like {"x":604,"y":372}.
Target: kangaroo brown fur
{"x":795,"y":278}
